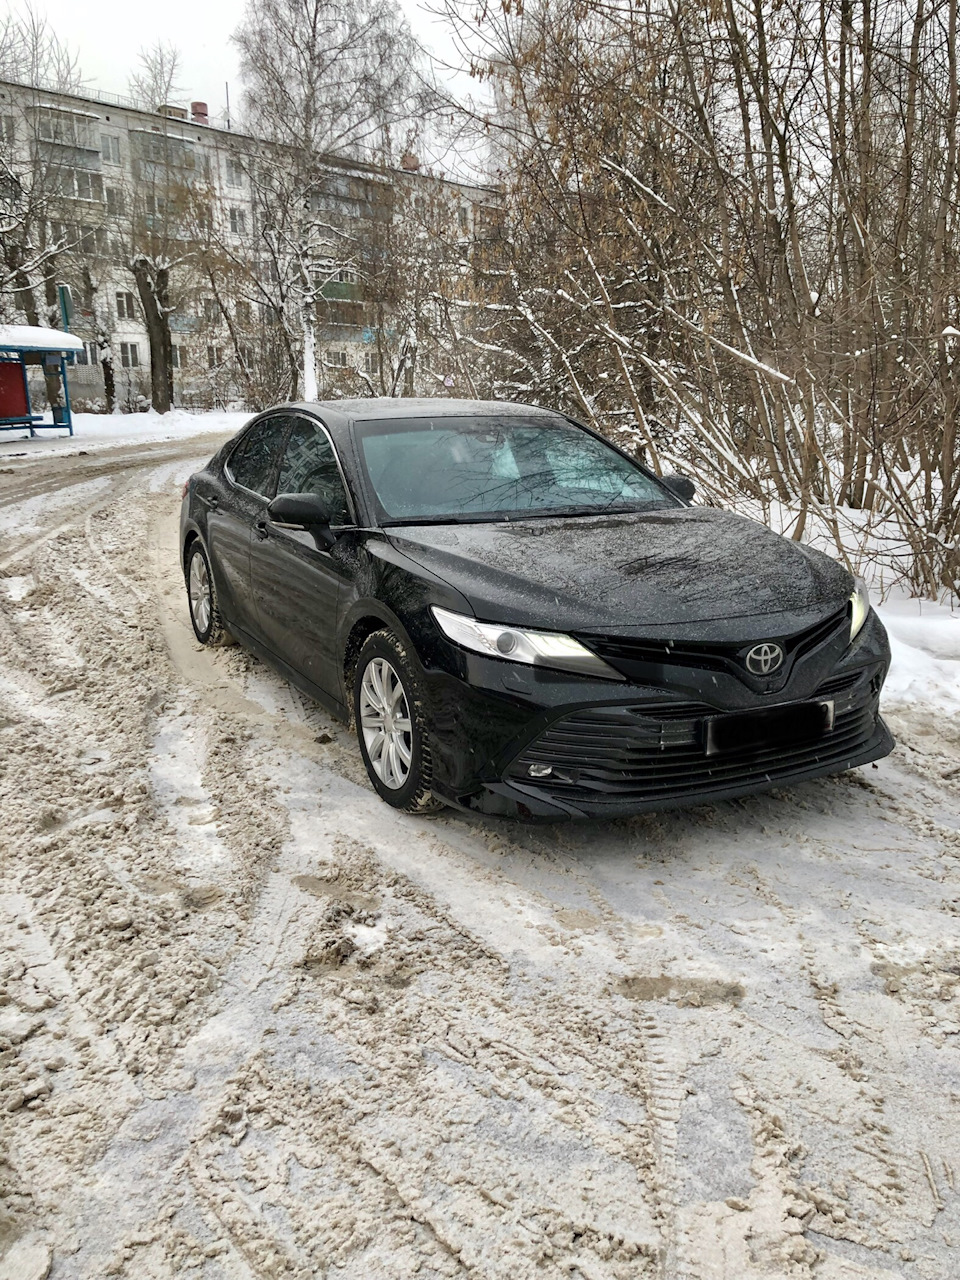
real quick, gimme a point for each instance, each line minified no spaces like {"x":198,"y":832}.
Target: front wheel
{"x":388,"y":709}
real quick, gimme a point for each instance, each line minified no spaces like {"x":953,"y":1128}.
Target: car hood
{"x":709,"y":572}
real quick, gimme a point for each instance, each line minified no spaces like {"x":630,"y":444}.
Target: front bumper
{"x":617,"y":749}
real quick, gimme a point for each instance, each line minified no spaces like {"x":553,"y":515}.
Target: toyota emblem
{"x":764,"y":659}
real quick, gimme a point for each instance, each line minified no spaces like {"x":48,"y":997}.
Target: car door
{"x":249,"y":484}
{"x":297,"y":583}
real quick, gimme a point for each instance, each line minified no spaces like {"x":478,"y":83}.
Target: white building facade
{"x":98,"y":182}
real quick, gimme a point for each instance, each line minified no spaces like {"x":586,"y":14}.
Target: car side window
{"x":252,"y":462}
{"x":310,"y":466}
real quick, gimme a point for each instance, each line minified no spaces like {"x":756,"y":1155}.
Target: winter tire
{"x":388,"y":711}
{"x":202,"y":599}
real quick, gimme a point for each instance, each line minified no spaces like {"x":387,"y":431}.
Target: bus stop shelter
{"x":22,"y":346}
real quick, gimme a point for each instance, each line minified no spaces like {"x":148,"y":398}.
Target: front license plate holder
{"x":786,"y":726}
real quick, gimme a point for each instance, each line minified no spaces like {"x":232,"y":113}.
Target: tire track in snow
{"x":474,"y":1049}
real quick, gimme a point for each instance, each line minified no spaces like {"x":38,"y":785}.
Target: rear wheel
{"x":202,"y":597}
{"x":388,"y":709}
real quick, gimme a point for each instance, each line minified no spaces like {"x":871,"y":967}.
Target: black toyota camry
{"x":522,"y":620}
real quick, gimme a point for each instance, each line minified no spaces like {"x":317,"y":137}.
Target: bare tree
{"x":730,"y":240}
{"x":169,"y":193}
{"x":32,"y":53}
{"x":321,"y":79}
{"x":156,"y":82}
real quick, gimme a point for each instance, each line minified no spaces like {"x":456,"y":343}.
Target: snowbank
{"x":925,"y":647}
{"x":102,"y":431}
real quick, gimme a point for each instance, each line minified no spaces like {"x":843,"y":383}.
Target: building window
{"x":156,"y":205}
{"x":345,"y":275}
{"x":78,"y":184}
{"x":464,"y":218}
{"x":371,"y":363}
{"x":89,"y":186}
{"x":126,"y":307}
{"x":211,"y":312}
{"x":110,"y":148}
{"x":246,"y":354}
{"x":65,"y":128}
{"x":214,"y":357}
{"x":175,"y":356}
{"x":234,"y":173}
{"x":7,"y":130}
{"x":114,"y":200}
{"x":337,"y":358}
{"x":129,"y":355}
{"x":89,"y":355}
{"x":238,"y":221}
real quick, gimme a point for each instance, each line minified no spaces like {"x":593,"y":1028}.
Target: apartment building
{"x":102,"y":181}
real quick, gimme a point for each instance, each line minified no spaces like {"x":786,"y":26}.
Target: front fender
{"x":376,"y":574}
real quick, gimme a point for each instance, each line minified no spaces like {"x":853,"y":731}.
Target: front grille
{"x":614,"y":754}
{"x":839,"y":684}
{"x":630,"y":656}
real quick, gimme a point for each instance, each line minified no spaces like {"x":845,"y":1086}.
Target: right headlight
{"x":859,"y":608}
{"x":516,"y":644}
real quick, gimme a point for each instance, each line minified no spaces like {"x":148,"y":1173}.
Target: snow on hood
{"x":639,"y":573}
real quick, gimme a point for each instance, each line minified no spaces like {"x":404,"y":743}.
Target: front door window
{"x":253,"y":461}
{"x":310,"y":466}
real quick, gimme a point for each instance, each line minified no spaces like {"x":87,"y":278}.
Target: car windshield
{"x":490,"y":468}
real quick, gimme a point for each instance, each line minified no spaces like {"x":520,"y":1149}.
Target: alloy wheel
{"x":385,"y":723}
{"x":201,"y":603}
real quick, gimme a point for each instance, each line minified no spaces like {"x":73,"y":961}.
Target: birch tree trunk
{"x":310,"y":392}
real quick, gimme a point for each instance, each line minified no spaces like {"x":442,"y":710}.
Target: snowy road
{"x":255,"y":1024}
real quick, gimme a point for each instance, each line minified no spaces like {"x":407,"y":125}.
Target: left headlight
{"x":535,"y":648}
{"x":859,"y":607}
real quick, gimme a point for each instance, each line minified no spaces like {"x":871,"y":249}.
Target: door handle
{"x":261,"y":530}
{"x":211,"y":500}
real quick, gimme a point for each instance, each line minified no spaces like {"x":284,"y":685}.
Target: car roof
{"x":338,"y":414}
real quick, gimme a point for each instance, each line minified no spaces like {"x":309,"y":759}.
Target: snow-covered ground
{"x":255,"y":1024}
{"x":925,"y":654}
{"x":96,"y":431}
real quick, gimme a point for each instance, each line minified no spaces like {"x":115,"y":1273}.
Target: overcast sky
{"x":109,"y":36}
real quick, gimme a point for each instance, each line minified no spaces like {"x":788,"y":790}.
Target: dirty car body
{"x":587,"y":643}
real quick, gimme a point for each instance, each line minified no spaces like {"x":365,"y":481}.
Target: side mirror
{"x":682,"y":486}
{"x":303,"y":511}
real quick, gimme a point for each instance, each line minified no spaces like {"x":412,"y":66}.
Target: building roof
{"x":27,"y":337}
{"x":227,"y":135}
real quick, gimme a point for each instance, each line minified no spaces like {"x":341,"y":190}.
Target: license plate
{"x":776,"y":727}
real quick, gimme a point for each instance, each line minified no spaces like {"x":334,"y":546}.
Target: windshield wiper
{"x":513,"y":517}
{"x":450,"y":519}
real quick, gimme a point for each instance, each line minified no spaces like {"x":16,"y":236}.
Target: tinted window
{"x":252,"y":462}
{"x":309,"y":466}
{"x":488,"y":467}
